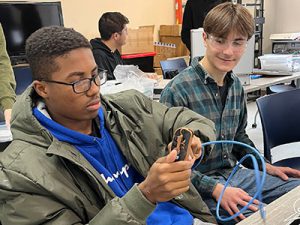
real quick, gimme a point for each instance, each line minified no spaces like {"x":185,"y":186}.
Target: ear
{"x":41,"y":88}
{"x":115,"y":35}
{"x":204,"y":36}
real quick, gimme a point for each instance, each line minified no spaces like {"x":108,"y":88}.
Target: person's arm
{"x":242,"y":136}
{"x":7,"y":80}
{"x":19,"y":205}
{"x":23,"y":200}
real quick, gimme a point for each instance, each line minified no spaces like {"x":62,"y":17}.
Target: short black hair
{"x":110,"y":23}
{"x":48,"y":43}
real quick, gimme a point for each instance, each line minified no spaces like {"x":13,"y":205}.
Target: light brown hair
{"x":228,"y":17}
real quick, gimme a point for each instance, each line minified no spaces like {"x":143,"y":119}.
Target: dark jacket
{"x":46,"y":181}
{"x":193,"y":17}
{"x":105,"y":58}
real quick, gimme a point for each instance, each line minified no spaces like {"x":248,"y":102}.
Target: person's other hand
{"x":196,"y":147}
{"x":283,"y":172}
{"x":152,"y":76}
{"x":232,"y":198}
{"x":7,"y":116}
{"x":167,"y":179}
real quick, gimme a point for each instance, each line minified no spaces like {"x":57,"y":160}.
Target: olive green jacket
{"x":45,"y":181}
{"x":7,"y":79}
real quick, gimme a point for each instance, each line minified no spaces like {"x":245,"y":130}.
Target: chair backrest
{"x":172,"y":67}
{"x":23,"y":76}
{"x":280,"y":118}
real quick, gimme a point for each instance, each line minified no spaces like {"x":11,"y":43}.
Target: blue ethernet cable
{"x":259,"y":181}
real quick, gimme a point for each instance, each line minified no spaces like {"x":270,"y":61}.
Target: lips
{"x":94,"y":105}
{"x":227,"y":60}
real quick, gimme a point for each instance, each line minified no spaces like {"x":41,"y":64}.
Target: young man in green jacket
{"x":81,"y":158}
{"x":7,"y":81}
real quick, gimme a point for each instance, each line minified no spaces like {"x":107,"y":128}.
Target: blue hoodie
{"x":105,"y":156}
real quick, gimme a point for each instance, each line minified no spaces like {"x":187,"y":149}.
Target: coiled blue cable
{"x":259,"y":181}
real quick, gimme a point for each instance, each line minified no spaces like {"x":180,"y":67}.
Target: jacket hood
{"x":61,"y":132}
{"x":24,"y":125}
{"x":98,"y":44}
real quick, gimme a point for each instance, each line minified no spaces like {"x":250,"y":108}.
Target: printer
{"x":285,"y":43}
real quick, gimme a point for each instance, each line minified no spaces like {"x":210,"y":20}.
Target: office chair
{"x":280,"y":120}
{"x":277,"y":88}
{"x":171,"y":68}
{"x":23,"y":76}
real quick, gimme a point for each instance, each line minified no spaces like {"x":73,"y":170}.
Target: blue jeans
{"x":274,"y":187}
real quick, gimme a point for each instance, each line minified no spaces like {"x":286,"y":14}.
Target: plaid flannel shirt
{"x":195,"y":89}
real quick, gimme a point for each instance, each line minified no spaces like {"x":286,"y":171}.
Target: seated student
{"x":113,"y":30}
{"x":209,"y":88}
{"x":81,"y":158}
{"x":7,"y":81}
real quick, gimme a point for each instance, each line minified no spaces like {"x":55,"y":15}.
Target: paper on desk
{"x":5,"y":133}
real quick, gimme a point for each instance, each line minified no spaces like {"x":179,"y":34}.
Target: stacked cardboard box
{"x":139,"y":40}
{"x":170,"y":45}
{"x":163,"y":52}
{"x":172,"y":34}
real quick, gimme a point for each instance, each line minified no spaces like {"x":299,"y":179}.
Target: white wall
{"x":282,"y":16}
{"x":83,"y":15}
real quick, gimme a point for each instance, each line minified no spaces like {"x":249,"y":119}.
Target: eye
{"x":94,"y":74}
{"x":220,"y":40}
{"x":81,"y":82}
{"x":238,"y":43}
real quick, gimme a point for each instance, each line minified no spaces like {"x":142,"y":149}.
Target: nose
{"x":228,"y":49}
{"x":94,"y":89}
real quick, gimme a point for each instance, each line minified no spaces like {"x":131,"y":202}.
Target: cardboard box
{"x":172,"y":34}
{"x":163,"y":52}
{"x":181,"y":49}
{"x":158,"y":70}
{"x":139,"y":40}
{"x":170,"y":30}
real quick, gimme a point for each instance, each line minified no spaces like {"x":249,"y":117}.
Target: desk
{"x":159,"y":87}
{"x":267,"y":81}
{"x":255,"y":85}
{"x":283,"y":211}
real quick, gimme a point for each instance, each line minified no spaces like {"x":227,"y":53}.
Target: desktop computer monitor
{"x":246,"y":63}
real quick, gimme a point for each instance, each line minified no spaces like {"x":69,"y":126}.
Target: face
{"x":223,"y":54}
{"x":64,"y":105}
{"x":121,"y":37}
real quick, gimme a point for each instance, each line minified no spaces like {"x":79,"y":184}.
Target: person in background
{"x":113,"y":31}
{"x":81,"y":158}
{"x":210,"y":88}
{"x":193,"y":17}
{"x":7,"y":81}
